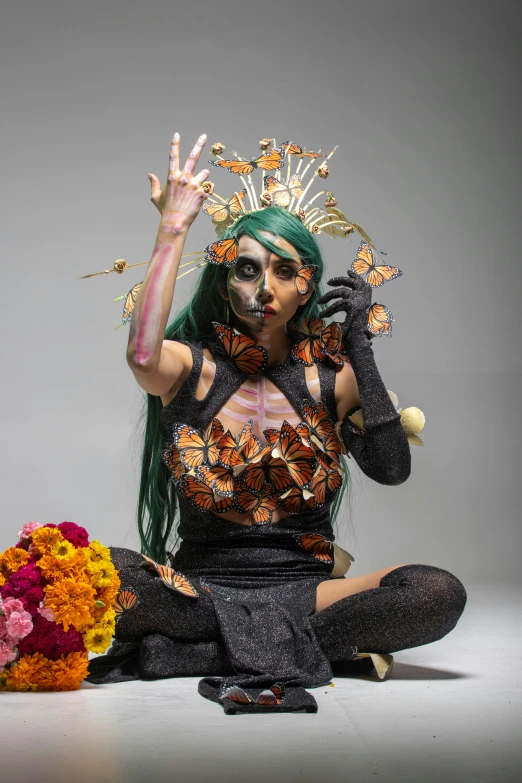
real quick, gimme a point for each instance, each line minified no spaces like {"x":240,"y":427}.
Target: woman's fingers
{"x":343,"y":293}
{"x":194,"y":157}
{"x":200,"y":178}
{"x":155,"y":190}
{"x":337,"y":307}
{"x":344,"y":281}
{"x":174,"y":154}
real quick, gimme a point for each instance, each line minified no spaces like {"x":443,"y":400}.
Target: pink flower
{"x":11,"y":605}
{"x":28,"y":529}
{"x":19,"y":625}
{"x":47,"y":614}
{"x":7,"y":653}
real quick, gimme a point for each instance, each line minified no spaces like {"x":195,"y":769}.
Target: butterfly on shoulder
{"x":376,"y":274}
{"x":271,"y":697}
{"x":272,"y":160}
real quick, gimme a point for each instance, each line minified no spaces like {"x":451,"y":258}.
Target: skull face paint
{"x":261,"y":285}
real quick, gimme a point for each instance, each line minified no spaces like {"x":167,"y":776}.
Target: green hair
{"x":157,"y":502}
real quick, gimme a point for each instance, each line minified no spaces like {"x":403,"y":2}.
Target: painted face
{"x":261,"y":285}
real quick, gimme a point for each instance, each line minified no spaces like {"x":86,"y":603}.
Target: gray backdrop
{"x":421,"y":98}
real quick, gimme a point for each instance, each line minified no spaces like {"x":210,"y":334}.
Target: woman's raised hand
{"x":354,"y":299}
{"x":182,"y":197}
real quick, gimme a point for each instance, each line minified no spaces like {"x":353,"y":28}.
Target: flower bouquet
{"x":56,"y":596}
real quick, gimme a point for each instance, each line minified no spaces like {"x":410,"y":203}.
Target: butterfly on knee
{"x":271,"y":697}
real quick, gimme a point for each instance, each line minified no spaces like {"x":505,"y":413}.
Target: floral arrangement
{"x":56,"y":595}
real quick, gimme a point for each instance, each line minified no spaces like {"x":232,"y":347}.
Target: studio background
{"x":420,"y":98}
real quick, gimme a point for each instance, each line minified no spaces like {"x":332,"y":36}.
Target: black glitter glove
{"x":382,"y":450}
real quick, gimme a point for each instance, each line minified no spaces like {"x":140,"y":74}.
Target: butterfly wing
{"x":296,"y":454}
{"x":244,"y":352}
{"x":380,"y":320}
{"x":130,"y":301}
{"x":235,"y":166}
{"x":172,"y":459}
{"x":270,"y":160}
{"x":303,"y":276}
{"x":321,"y":547}
{"x":191,"y":445}
{"x":199,"y":493}
{"x":222,"y":252}
{"x":124,"y":601}
{"x":272,"y":696}
{"x":235,"y":693}
{"x":289,"y":148}
{"x":317,"y":418}
{"x":176,"y":581}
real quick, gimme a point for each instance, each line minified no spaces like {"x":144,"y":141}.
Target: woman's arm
{"x":158,"y":365}
{"x":382,"y":450}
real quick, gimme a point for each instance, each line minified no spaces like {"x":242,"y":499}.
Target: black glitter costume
{"x":253,"y":620}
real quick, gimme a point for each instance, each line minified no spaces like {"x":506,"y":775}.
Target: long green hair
{"x":157,"y":503}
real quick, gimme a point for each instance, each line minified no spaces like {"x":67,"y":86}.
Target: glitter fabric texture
{"x":255,"y":628}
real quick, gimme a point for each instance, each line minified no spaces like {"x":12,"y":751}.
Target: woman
{"x":243,"y":420}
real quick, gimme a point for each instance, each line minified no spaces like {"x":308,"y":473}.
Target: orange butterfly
{"x":171,"y":578}
{"x":292,"y":500}
{"x":252,"y":452}
{"x":124,"y":601}
{"x":172,"y":460}
{"x":298,"y":456}
{"x":331,"y":342}
{"x":316,"y":417}
{"x":269,"y":470}
{"x":270,"y":697}
{"x":219,"y":478}
{"x":380,"y":320}
{"x":248,"y":357}
{"x":269,"y":161}
{"x":222,"y":212}
{"x":202,"y":496}
{"x":230,"y":448}
{"x":321,"y":548}
{"x":303,"y":276}
{"x":323,"y":482}
{"x":260,"y":506}
{"x":282,"y":193}
{"x":130,"y":301}
{"x":223,"y":252}
{"x":289,"y":148}
{"x":196,"y":449}
{"x":313,"y":155}
{"x":309,"y":348}
{"x":377,"y":274}
{"x":327,"y":450}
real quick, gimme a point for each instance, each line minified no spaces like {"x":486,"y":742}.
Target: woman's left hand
{"x":355,"y":298}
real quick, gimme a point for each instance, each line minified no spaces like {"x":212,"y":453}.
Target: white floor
{"x":451,"y":711}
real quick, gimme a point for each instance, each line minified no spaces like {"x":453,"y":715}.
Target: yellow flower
{"x":108,"y":620}
{"x":98,"y":552}
{"x":101,"y":573}
{"x":44,"y":538}
{"x":63,"y":549}
{"x":11,"y":560}
{"x":97,"y":639}
{"x":32,"y":672}
{"x":71,"y":602}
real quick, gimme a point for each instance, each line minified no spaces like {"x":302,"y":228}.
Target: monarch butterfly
{"x":319,"y":546}
{"x":219,"y":478}
{"x":130,"y":302}
{"x":297,"y":455}
{"x":271,"y":435}
{"x":248,"y":357}
{"x":202,"y":496}
{"x":270,"y":697}
{"x":377,"y":274}
{"x":380,"y":320}
{"x":309,"y":349}
{"x":269,"y":161}
{"x":171,"y":578}
{"x":222,"y":251}
{"x":196,"y":449}
{"x":260,"y":506}
{"x":124,"y":601}
{"x":282,"y":193}
{"x":325,"y":481}
{"x":172,"y":459}
{"x":289,"y":148}
{"x":222,"y":212}
{"x":293,"y":499}
{"x":230,"y":448}
{"x":330,"y":450}
{"x":269,"y":470}
{"x":252,"y":451}
{"x":317,"y":418}
{"x":312,"y":155}
{"x":303,"y":276}
{"x":331,"y":342}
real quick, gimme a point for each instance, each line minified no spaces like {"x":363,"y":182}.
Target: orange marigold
{"x":72,"y":602}
{"x":69,"y":671}
{"x":11,"y":560}
{"x":32,"y":672}
{"x":44,"y":538}
{"x":57,"y":567}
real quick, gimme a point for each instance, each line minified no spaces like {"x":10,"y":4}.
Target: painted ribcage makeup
{"x":257,"y":399}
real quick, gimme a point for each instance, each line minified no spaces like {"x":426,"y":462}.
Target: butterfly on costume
{"x":319,"y":546}
{"x":223,"y":212}
{"x":222,"y":252}
{"x":124,"y":601}
{"x":269,"y":161}
{"x":297,"y":456}
{"x":172,"y":459}
{"x":309,"y":350}
{"x":376,"y":274}
{"x":292,"y":500}
{"x":271,"y":697}
{"x":171,"y":578}
{"x":247,"y":355}
{"x":325,"y":480}
{"x":260,"y":506}
{"x":196,"y":448}
{"x":206,"y":498}
{"x":130,"y":302}
{"x":281,"y":192}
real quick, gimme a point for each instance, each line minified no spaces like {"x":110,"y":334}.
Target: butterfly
{"x":327,"y":450}
{"x":269,"y":161}
{"x":377,"y":274}
{"x":248,"y":357}
{"x":130,"y":301}
{"x":331,"y":342}
{"x":202,"y":496}
{"x":252,"y":452}
{"x":303,"y":276}
{"x":196,"y":449}
{"x":316,"y":417}
{"x":319,"y":546}
{"x":268,"y":470}
{"x":222,"y":212}
{"x":270,"y":697}
{"x":230,"y":448}
{"x":223,"y":252}
{"x":323,"y":482}
{"x":171,"y":578}
{"x":309,"y":349}
{"x":219,"y":478}
{"x":293,"y":499}
{"x":124,"y":601}
{"x":289,"y":148}
{"x":312,"y":155}
{"x":380,"y":320}
{"x":297,"y":455}
{"x":260,"y":506}
{"x":172,"y":459}
{"x":283,"y":193}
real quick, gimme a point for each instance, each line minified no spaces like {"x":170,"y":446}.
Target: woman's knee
{"x":434,"y":586}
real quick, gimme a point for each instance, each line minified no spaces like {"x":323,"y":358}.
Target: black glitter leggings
{"x":413,"y":605}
